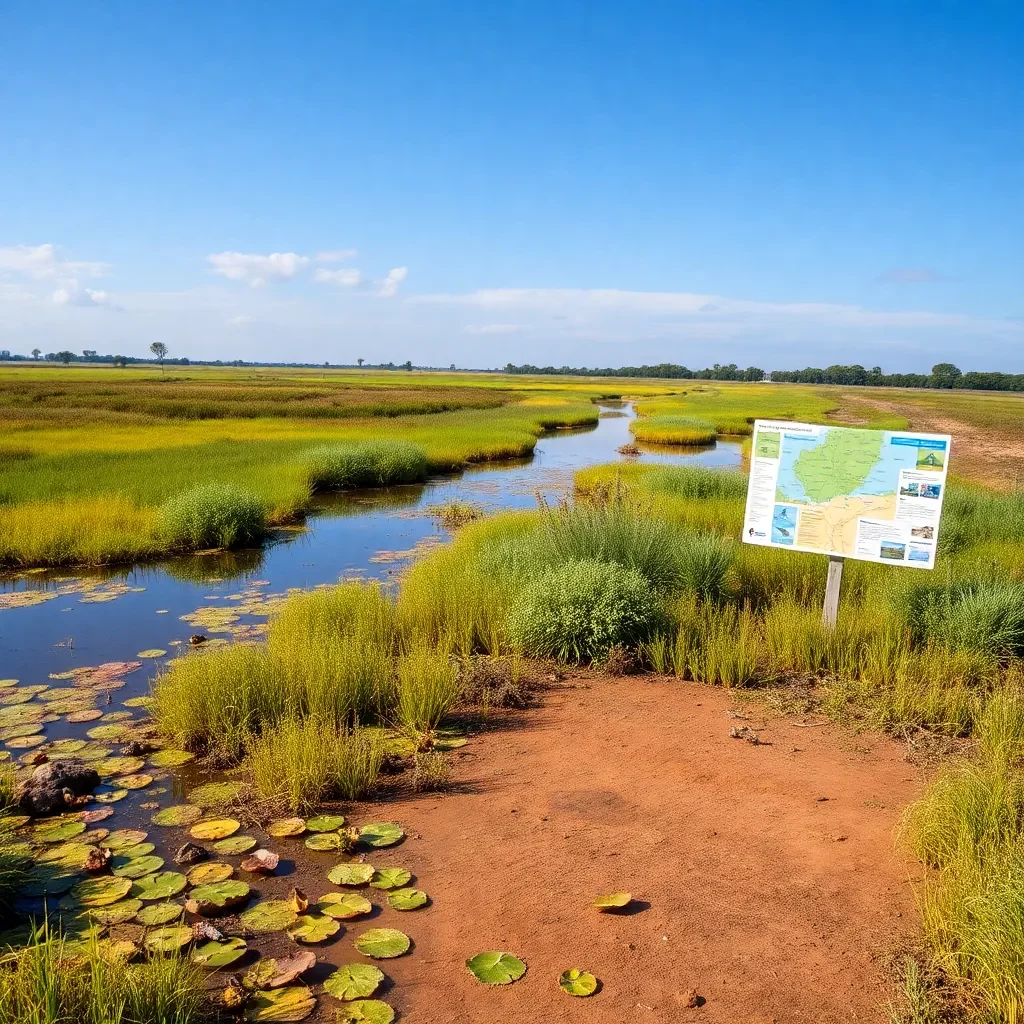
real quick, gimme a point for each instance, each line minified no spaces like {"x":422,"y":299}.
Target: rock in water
{"x":190,"y":854}
{"x":44,"y":793}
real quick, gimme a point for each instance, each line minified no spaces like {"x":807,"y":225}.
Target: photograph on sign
{"x":875,"y":495}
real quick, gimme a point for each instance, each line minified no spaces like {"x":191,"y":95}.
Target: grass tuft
{"x":212,"y":515}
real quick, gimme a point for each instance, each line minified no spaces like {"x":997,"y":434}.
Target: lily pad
{"x":86,"y":715}
{"x":116,"y":913}
{"x":115,"y":732}
{"x":96,"y":892}
{"x":343,"y":905}
{"x":234,"y":845}
{"x":215,"y":828}
{"x":159,"y":886}
{"x":452,"y":743}
{"x":58,"y":831}
{"x":171,"y":758}
{"x":292,"y":1003}
{"x":112,"y":796}
{"x":325,"y":823}
{"x":275,"y":973}
{"x":323,"y":841}
{"x":382,"y":943}
{"x":268,"y":916}
{"x":25,"y":742}
{"x":366,"y":1011}
{"x":12,"y":732}
{"x":124,"y":837}
{"x":496,"y":968}
{"x":219,"y":954}
{"x":152,"y":652}
{"x":118,"y":765}
{"x":159,"y":913}
{"x":179,"y":814}
{"x":284,"y":827}
{"x":168,"y":939}
{"x":310,"y":929}
{"x":140,"y":780}
{"x":352,"y":873}
{"x":215,"y":794}
{"x":135,"y":867}
{"x":353,"y":981}
{"x":209,"y":873}
{"x":575,"y":982}
{"x":389,"y":878}
{"x":613,"y":901}
{"x":67,"y":855}
{"x":407,"y":899}
{"x":218,"y":897}
{"x":381,"y":833}
{"x":138,"y":850}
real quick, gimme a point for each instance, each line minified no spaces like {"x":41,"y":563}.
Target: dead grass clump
{"x":490,"y":682}
{"x":432,"y":772}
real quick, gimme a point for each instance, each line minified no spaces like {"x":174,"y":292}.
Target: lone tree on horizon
{"x":159,"y":349}
{"x":359,"y":362}
{"x":36,"y":353}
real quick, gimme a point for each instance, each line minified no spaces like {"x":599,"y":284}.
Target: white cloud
{"x":335,"y":256}
{"x":492,"y":329}
{"x":239,"y":321}
{"x":42,"y":261}
{"x":347,"y":278}
{"x":388,"y":288}
{"x":72,"y":294}
{"x":255,"y":269}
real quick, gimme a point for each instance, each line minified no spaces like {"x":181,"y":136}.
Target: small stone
{"x":190,"y":854}
{"x":196,"y":639}
{"x":690,"y":999}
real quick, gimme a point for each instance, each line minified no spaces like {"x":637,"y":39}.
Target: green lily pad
{"x":613,"y":901}
{"x":496,"y":968}
{"x":366,"y":1011}
{"x":292,"y":1003}
{"x":285,"y":827}
{"x":58,"y":831}
{"x":96,"y":892}
{"x":389,"y":878}
{"x":354,"y":981}
{"x":382,"y":943}
{"x":272,"y":972}
{"x":25,"y":742}
{"x":140,"y":780}
{"x":138,"y":702}
{"x":168,"y":939}
{"x":325,"y":823}
{"x":152,"y":652}
{"x":63,"y":748}
{"x":135,"y":867}
{"x":171,"y":758}
{"x":323,"y":841}
{"x":209,"y":873}
{"x":268,"y":916}
{"x":381,"y":833}
{"x":352,"y":873}
{"x":138,"y":850}
{"x":159,"y":913}
{"x":179,"y":814}
{"x":115,"y":732}
{"x":117,"y":716}
{"x":116,"y":913}
{"x":12,"y":732}
{"x":313,"y":928}
{"x":407,"y":899}
{"x":218,"y":897}
{"x":124,"y":837}
{"x":215,"y":828}
{"x":234,"y":845}
{"x":450,"y":744}
{"x":343,"y":905}
{"x":219,"y":954}
{"x":50,"y":880}
{"x":575,"y":982}
{"x":159,"y":886}
{"x":66,"y":855}
{"x":111,"y":796}
{"x":215,"y":794}
{"x":118,"y":765}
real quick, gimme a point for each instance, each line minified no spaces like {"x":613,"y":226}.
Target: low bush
{"x":365,"y":464}
{"x":304,"y":761}
{"x":212,"y":516}
{"x":432,"y":772}
{"x":577,"y":611}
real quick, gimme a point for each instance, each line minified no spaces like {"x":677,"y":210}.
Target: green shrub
{"x":365,"y":464}
{"x":579,"y":610}
{"x":212,"y":516}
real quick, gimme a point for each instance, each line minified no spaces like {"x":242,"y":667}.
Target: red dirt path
{"x":773,"y":904}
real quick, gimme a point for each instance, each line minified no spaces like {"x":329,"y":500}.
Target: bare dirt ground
{"x":765,"y":877}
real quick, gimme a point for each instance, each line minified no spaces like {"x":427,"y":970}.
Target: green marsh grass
{"x":365,"y":464}
{"x":428,"y":688}
{"x":683,"y":430}
{"x":215,"y":515}
{"x":57,"y":981}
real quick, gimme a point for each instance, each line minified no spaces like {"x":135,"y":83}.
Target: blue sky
{"x":589,"y":183}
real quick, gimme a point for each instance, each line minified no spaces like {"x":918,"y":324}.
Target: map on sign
{"x":869,"y":494}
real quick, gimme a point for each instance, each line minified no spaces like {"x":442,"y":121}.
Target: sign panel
{"x":870,"y":494}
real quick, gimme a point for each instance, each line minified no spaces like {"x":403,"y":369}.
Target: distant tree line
{"x":943,"y":375}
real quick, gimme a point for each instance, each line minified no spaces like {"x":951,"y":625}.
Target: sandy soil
{"x":765,"y":877}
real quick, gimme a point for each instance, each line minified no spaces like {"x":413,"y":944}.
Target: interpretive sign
{"x":847,"y":492}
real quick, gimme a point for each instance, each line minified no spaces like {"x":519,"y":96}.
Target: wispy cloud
{"x":46,"y":261}
{"x":492,"y":329}
{"x":911,"y":275}
{"x":335,"y":256}
{"x":255,"y":269}
{"x":388,"y":288}
{"x":71,"y":293}
{"x":344,"y":278}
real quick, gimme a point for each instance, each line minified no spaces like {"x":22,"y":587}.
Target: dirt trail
{"x":773,"y":903}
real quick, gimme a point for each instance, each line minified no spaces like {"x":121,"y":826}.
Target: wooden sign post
{"x":835,"y":578}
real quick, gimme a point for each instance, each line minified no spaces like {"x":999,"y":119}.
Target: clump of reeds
{"x":214,"y":515}
{"x":687,"y":430}
{"x":365,"y":464}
